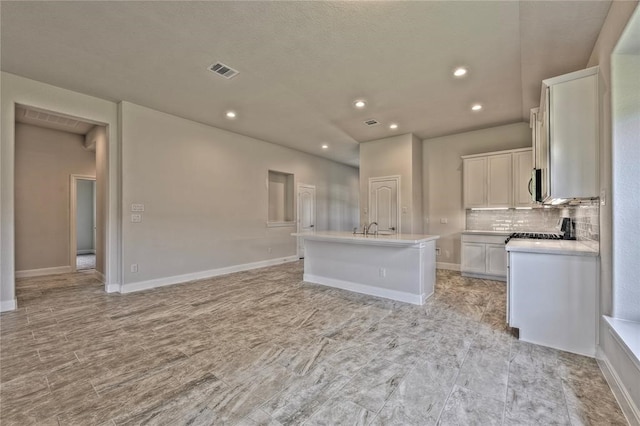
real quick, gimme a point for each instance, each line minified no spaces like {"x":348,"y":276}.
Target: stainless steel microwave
{"x":535,"y":185}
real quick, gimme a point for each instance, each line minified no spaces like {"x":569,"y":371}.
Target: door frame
{"x":22,"y":91}
{"x":73,"y":216}
{"x":298,"y":208}
{"x":398,"y":197}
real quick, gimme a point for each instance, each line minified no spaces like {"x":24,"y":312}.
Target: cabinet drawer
{"x":485,"y":239}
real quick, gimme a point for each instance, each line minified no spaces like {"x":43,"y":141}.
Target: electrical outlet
{"x":136,"y":218}
{"x":444,"y":220}
{"x":382,"y":272}
{"x":134,"y":267}
{"x":404,"y":210}
{"x":137,"y":207}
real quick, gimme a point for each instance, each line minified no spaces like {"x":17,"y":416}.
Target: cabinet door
{"x":496,"y":259}
{"x":522,"y":166}
{"x":473,"y":257}
{"x":542,"y":147}
{"x":499,"y":181}
{"x":474,"y":182}
{"x":573,"y":120}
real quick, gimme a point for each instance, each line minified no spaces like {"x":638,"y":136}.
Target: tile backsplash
{"x":587,"y":219}
{"x":586,"y":216}
{"x":513,"y":220}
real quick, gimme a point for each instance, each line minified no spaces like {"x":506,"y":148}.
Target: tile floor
{"x":263,"y":348}
{"x":85,"y":261}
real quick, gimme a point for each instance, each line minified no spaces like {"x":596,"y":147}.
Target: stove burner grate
{"x":535,"y":236}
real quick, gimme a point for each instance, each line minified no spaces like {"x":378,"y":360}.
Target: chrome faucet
{"x":367,"y":229}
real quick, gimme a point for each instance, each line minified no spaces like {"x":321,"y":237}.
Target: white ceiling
{"x":303,"y":63}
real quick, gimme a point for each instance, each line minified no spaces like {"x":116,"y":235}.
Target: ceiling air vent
{"x":372,"y":122}
{"x":223,"y":70}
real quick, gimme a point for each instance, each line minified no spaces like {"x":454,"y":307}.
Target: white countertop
{"x":505,"y":233}
{"x":381,"y":240}
{"x":572,"y":248}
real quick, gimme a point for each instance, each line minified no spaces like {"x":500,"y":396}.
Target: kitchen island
{"x":400,"y":267}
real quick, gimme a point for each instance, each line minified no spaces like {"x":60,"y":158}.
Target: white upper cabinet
{"x":522,"y":166}
{"x":570,"y":124}
{"x":497,"y":180}
{"x":475,"y":182}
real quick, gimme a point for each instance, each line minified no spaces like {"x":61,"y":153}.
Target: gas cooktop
{"x":535,"y":236}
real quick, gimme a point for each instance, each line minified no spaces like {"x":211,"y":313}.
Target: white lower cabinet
{"x":484,"y":256}
{"x":496,"y":260}
{"x":474,"y":257}
{"x":552,"y":300}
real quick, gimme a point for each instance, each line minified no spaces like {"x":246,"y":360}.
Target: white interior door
{"x":384,"y":202}
{"x":306,"y":213}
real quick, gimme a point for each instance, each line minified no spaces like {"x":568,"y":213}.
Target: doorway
{"x":68,"y":106}
{"x":306,"y":213}
{"x":82,"y":222}
{"x":60,"y":166}
{"x":384,"y":202}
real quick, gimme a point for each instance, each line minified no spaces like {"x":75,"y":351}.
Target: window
{"x":280,"y":199}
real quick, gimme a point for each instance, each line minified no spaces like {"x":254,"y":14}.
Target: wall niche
{"x":281,"y":210}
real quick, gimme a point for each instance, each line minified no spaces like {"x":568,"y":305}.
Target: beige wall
{"x":390,"y":157}
{"x":625,"y":196}
{"x":616,"y":20}
{"x":97,"y":137}
{"x":206,"y":196}
{"x":417,"y":216}
{"x":44,"y":161}
{"x":442,"y":179}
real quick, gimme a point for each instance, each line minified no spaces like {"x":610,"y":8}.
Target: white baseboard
{"x":625,"y":401}
{"x":43,"y":271}
{"x":160,"y":282}
{"x":86,"y":252}
{"x":8,"y":305}
{"x":448,"y":266}
{"x":401,"y":296}
{"x":619,"y":361}
{"x":485,"y":276}
{"x":113,"y":288}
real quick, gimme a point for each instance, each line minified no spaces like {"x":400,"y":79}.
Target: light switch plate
{"x":137,"y":207}
{"x":136,"y":218}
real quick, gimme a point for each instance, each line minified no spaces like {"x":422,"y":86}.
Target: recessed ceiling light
{"x":393,"y":126}
{"x":476,"y":107}
{"x":459,"y":72}
{"x":231,"y":115}
{"x":325,"y":146}
{"x":359,"y":104}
